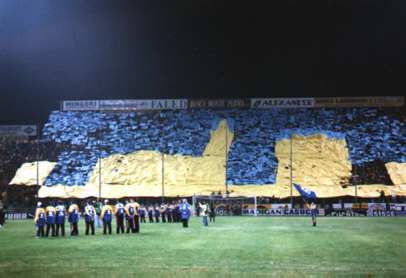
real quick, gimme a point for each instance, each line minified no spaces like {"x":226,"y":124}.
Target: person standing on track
{"x":74,"y":219}
{"x":98,"y":207}
{"x":136,"y":216}
{"x":157,"y":213}
{"x":60,"y":218}
{"x":204,"y":211}
{"x":163,"y":213}
{"x":142,"y":212}
{"x":106,"y":215}
{"x":120,"y":214}
{"x":90,"y":214}
{"x":168,"y":212}
{"x":2,"y":216}
{"x":151,"y":214}
{"x":308,"y":196}
{"x":313,"y":210}
{"x":212,"y":213}
{"x":130,"y":213}
{"x":184,"y":210}
{"x":40,"y":219}
{"x":50,"y":212}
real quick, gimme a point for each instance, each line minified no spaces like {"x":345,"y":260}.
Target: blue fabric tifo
{"x":371,"y":134}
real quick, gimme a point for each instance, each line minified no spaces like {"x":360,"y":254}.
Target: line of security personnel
{"x":165,"y":213}
{"x":52,"y":218}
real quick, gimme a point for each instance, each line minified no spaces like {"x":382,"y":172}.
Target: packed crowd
{"x":370,"y":173}
{"x":14,"y":151}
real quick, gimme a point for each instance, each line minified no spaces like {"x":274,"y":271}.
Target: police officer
{"x":106,"y":215}
{"x":74,"y":219}
{"x":90,"y":214}
{"x":120,"y":214}
{"x":60,"y":218}
{"x":50,"y":213}
{"x":40,"y":218}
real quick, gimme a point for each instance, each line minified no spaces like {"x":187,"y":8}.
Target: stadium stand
{"x":374,"y":136}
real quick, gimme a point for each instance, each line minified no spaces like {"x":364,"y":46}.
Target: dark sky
{"x":94,"y":49}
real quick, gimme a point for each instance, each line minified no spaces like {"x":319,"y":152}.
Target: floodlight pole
{"x":38,"y":150}
{"x":100,"y":168}
{"x":162,"y":161}
{"x":194,"y":204}
{"x":163,"y":175}
{"x":226,"y":158}
{"x":291,"y":171}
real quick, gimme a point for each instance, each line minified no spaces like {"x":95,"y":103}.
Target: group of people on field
{"x":50,"y":219}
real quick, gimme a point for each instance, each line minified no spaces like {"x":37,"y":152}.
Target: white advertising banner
{"x":265,"y":103}
{"x":143,"y":104}
{"x":169,"y":104}
{"x":80,"y":105}
{"x":359,"y":102}
{"x":125,"y":105}
{"x":281,"y":212}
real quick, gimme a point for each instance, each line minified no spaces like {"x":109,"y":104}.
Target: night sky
{"x":70,"y":49}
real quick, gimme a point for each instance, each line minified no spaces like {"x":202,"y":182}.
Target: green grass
{"x":232,"y":247}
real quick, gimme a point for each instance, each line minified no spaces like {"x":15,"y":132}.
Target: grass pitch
{"x":233,"y":246}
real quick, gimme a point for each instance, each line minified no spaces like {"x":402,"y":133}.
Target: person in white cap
{"x":184,"y":209}
{"x":120,"y":214}
{"x":40,"y":219}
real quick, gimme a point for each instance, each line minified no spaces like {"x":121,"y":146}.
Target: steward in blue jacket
{"x":120,"y":214}
{"x":74,"y":219}
{"x":106,"y":215}
{"x":51,"y":214}
{"x":60,"y":218}
{"x":40,"y":219}
{"x":90,"y":214}
{"x":157,"y":214}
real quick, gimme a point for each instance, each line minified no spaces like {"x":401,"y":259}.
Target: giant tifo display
{"x":251,"y":147}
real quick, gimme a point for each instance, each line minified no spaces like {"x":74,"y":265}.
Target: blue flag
{"x":307,"y":194}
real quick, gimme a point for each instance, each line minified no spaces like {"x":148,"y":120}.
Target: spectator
{"x":1,"y":214}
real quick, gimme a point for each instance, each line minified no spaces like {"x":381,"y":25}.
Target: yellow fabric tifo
{"x":317,"y":160}
{"x":27,"y":173}
{"x":140,"y":173}
{"x":319,"y":163}
{"x":397,"y":172}
{"x":398,"y":190}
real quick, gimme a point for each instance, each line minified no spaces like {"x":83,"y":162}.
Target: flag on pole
{"x":306,"y":193}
